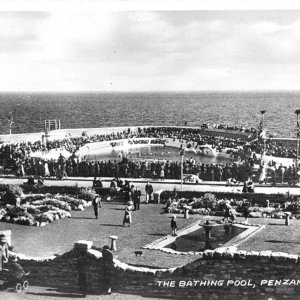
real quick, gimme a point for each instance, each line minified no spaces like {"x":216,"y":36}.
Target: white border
{"x":143,"y":5}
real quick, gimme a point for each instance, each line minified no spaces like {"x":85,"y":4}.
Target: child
{"x":174,"y":226}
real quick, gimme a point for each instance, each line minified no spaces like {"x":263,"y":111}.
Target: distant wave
{"x":81,"y":110}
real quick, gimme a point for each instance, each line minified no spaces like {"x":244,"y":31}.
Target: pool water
{"x":161,"y":153}
{"x":195,"y":241}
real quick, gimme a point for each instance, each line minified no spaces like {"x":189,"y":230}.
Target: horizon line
{"x":152,"y":91}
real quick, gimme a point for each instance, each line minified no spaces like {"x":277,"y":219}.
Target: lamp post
{"x":263,"y":111}
{"x":181,"y":154}
{"x":11,"y":121}
{"x":297,"y":112}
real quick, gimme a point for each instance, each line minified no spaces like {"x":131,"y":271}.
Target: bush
{"x":14,"y":189}
{"x":209,"y":201}
{"x":87,"y":194}
{"x":253,"y":198}
{"x":255,"y":214}
{"x":255,"y":209}
{"x":71,"y":190}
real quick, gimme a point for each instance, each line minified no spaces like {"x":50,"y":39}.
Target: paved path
{"x":167,"y":185}
{"x":37,"y":293}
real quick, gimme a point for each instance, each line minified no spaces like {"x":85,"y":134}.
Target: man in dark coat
{"x":137,"y":198}
{"x":149,"y":191}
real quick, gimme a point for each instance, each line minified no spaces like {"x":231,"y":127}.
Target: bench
{"x":138,"y":253}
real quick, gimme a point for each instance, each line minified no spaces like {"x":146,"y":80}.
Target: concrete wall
{"x":219,"y":274}
{"x":64,"y":133}
{"x":287,"y":142}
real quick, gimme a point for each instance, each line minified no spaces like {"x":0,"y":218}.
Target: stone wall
{"x":219,"y":274}
{"x":80,"y":269}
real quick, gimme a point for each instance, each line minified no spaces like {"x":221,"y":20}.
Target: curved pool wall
{"x":62,"y":133}
{"x":135,"y":143}
{"x":77,"y":132}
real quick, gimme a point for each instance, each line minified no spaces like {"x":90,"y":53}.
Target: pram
{"x":15,"y":277}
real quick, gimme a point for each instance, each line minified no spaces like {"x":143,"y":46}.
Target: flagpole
{"x":263,"y":111}
{"x":10,"y":122}
{"x":181,"y":173}
{"x":297,"y":112}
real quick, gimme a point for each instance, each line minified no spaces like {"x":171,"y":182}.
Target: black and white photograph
{"x":149,"y":150}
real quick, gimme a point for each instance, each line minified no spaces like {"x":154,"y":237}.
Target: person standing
{"x":113,"y":186}
{"x":162,"y":173}
{"x":137,"y":198}
{"x":126,"y":192}
{"x":246,"y":211}
{"x":149,"y":191}
{"x":96,"y":204}
{"x":46,"y":169}
{"x":3,"y":251}
{"x":128,"y":214}
{"x":227,"y":212}
{"x":174,"y":226}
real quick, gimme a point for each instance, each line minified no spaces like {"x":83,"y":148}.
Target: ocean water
{"x":79,"y":110}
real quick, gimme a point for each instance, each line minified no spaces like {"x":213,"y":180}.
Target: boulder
{"x":254,"y":214}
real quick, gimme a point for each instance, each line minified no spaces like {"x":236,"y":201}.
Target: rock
{"x":80,"y":207}
{"x":256,"y":214}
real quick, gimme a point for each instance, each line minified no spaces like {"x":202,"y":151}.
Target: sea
{"x":28,"y":111}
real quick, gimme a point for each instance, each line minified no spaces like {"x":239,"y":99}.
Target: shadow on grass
{"x":144,"y":266}
{"x":118,"y":208}
{"x":57,"y":295}
{"x":281,"y":242}
{"x":276,"y":224}
{"x":157,"y":234}
{"x":115,"y":225}
{"x":83,"y":218}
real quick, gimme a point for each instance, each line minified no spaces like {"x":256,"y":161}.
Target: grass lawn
{"x":149,"y":224}
{"x":58,"y":237}
{"x":275,"y":236}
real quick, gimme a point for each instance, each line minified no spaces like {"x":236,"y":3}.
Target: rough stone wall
{"x":60,"y":272}
{"x":80,"y":269}
{"x":219,"y":274}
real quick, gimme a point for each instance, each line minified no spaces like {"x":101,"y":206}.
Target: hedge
{"x":42,"y":189}
{"x":255,"y":198}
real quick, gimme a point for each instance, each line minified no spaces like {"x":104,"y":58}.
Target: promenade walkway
{"x":168,"y":184}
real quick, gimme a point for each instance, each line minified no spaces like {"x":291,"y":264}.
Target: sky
{"x":93,"y":50}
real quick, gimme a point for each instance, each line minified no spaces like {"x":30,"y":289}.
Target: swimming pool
{"x":155,"y":153}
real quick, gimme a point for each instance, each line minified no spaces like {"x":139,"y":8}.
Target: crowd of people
{"x":17,"y":156}
{"x":192,"y":136}
{"x":155,"y":169}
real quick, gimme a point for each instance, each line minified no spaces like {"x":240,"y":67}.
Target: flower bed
{"x":255,"y":198}
{"x":41,"y":209}
{"x":208,"y":204}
